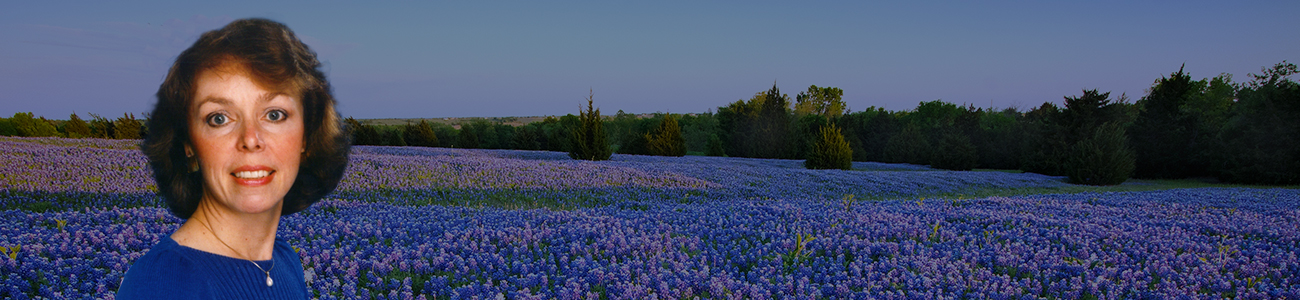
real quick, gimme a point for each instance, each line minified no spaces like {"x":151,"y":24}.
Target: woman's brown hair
{"x":274,"y":57}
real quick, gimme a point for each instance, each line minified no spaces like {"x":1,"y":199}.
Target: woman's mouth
{"x":253,"y":176}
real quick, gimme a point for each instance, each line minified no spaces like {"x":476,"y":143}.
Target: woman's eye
{"x":275,"y":115}
{"x":217,"y":120}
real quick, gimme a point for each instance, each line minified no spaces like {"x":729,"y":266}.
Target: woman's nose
{"x":251,"y":139}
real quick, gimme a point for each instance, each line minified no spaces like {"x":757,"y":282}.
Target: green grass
{"x":999,"y":170}
{"x":1132,"y":185}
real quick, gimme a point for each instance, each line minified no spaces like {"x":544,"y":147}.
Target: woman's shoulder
{"x":164,"y":272}
{"x":288,"y":253}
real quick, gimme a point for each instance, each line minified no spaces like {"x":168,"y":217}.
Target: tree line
{"x":1238,"y":132}
{"x":25,"y":124}
{"x":1213,"y":127}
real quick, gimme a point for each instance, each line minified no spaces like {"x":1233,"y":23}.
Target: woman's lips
{"x":253,"y":176}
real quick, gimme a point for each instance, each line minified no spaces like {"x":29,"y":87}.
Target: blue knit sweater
{"x":172,"y":271}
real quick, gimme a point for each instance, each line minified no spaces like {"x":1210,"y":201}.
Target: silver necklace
{"x":232,"y":249}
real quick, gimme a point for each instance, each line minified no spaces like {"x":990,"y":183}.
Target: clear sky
{"x":489,"y":58}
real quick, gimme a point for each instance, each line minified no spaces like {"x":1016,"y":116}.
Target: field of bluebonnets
{"x":433,"y":223}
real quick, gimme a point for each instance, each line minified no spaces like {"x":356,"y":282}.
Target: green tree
{"x":1083,"y":114}
{"x":715,"y":147}
{"x":483,"y":132}
{"x":446,"y":134}
{"x":420,"y":134}
{"x":1164,"y":136}
{"x":589,"y":141}
{"x":955,"y":152}
{"x":773,"y":130}
{"x":909,"y":146}
{"x":738,"y":122}
{"x":1102,"y":158}
{"x":830,"y":150}
{"x":467,"y":138}
{"x":1000,"y":140}
{"x":76,"y":127}
{"x":25,"y":124}
{"x":1046,"y":145}
{"x":666,"y":139}
{"x":487,"y":135}
{"x":697,"y":129}
{"x":101,"y":127}
{"x":758,"y":128}
{"x":391,"y":136}
{"x":558,"y":132}
{"x":1054,"y":133}
{"x":932,"y":116}
{"x":632,"y":133}
{"x":1098,"y":152}
{"x":362,"y":134}
{"x":7,"y":127}
{"x":805,"y":132}
{"x":1261,"y":139}
{"x":526,"y":138}
{"x":505,"y":135}
{"x":869,"y":131}
{"x":127,"y":127}
{"x":827,"y":102}
{"x":622,"y":130}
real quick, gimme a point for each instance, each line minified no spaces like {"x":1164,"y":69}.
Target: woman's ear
{"x":193,"y":161}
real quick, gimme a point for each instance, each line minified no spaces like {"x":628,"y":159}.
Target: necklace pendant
{"x":269,"y":282}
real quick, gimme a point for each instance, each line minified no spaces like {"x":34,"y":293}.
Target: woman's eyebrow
{"x":269,"y":96}
{"x":214,"y":99}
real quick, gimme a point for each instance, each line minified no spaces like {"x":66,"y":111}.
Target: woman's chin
{"x":255,"y":204}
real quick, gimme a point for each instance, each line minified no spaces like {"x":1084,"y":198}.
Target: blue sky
{"x":463,"y":59}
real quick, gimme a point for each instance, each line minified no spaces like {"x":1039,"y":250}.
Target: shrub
{"x":666,"y":139}
{"x":1101,"y":159}
{"x":955,"y":152}
{"x":829,"y":150}
{"x":420,"y":135}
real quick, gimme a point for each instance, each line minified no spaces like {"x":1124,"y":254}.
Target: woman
{"x":244,"y":132}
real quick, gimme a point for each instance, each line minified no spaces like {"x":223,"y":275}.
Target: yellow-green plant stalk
{"x":12,"y":252}
{"x":934,"y":235}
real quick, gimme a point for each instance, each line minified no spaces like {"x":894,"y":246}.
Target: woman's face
{"x":248,"y":140}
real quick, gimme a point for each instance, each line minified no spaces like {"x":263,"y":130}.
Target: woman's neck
{"x":216,"y":229}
